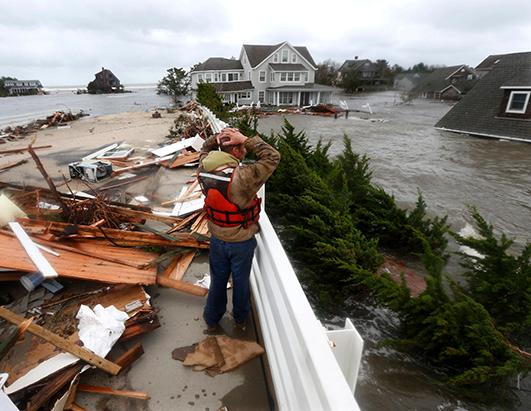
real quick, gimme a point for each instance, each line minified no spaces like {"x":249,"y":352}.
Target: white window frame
{"x":508,"y":110}
{"x":272,"y":77}
{"x":293,"y":58}
{"x":208,"y":77}
{"x":216,"y":77}
{"x":261,"y":96}
{"x":275,"y":58}
{"x":262,"y":79}
{"x":199,"y":77}
{"x":285,"y":52}
{"x":223,"y":77}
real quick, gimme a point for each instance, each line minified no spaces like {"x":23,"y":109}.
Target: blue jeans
{"x":226,"y":258}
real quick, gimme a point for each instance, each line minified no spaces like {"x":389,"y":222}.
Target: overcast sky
{"x":66,"y":42}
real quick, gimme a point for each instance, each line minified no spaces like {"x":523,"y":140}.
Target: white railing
{"x":311,"y":368}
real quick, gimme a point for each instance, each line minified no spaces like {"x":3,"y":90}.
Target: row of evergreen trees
{"x":333,"y":222}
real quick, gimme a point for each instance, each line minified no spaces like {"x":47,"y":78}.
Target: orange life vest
{"x":218,"y":207}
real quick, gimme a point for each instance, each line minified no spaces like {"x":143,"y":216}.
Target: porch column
{"x":299,"y":99}
{"x":318,"y":97}
{"x":278,"y":98}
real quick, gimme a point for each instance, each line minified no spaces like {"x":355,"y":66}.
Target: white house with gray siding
{"x":278,"y":75}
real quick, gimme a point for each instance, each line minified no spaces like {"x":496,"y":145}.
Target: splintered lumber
{"x":130,"y":356}
{"x":141,"y":165}
{"x":13,"y":336}
{"x":53,"y":189}
{"x":182,"y":160}
{"x":22,"y":149}
{"x":53,"y":386}
{"x":109,"y":391}
{"x":182,"y":286}
{"x":41,"y":263}
{"x":183,"y":223}
{"x":74,"y":265}
{"x":63,"y":344}
{"x":178,"y":266}
{"x":14,"y":164}
{"x":120,"y":237}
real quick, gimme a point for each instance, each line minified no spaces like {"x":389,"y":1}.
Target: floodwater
{"x":21,"y":110}
{"x":452,"y":171}
{"x":407,"y":154}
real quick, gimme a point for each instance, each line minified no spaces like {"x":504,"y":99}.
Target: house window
{"x":244,"y":95}
{"x":199,"y":77}
{"x":284,"y":56}
{"x":305,"y":76}
{"x":216,"y":77}
{"x":275,"y":58}
{"x":286,"y":97}
{"x":262,"y":76}
{"x":272,"y":77}
{"x":293,"y":58}
{"x":261,"y":96}
{"x":518,"y":102}
{"x":208,"y":77}
{"x":296,"y":76}
{"x":223,"y":77}
{"x":233,"y":77}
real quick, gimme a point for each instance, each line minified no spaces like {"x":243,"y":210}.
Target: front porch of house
{"x":308,"y":95}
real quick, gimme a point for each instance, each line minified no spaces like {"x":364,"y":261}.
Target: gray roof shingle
{"x":233,"y":86}
{"x":477,"y":112}
{"x":219,"y":63}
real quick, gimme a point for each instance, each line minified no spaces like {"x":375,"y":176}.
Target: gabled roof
{"x":477,"y":112}
{"x":219,"y":63}
{"x":355,"y":64}
{"x":439,"y":80}
{"x":256,"y":53}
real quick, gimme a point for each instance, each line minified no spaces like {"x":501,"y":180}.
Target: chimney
{"x":103,"y":68}
{"x":355,"y":57}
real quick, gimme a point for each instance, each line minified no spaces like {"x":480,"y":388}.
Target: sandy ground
{"x":170,"y":385}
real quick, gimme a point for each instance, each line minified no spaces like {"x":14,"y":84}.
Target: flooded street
{"x":452,"y":171}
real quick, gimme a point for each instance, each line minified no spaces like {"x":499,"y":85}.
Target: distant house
{"x":407,"y":81}
{"x":105,"y":82}
{"x":22,"y":87}
{"x":499,"y":104}
{"x":447,"y":83}
{"x":369,"y":74}
{"x":279,"y":75}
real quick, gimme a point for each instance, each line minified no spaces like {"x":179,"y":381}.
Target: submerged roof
{"x":219,"y":63}
{"x":477,"y":112}
{"x":440,"y":79}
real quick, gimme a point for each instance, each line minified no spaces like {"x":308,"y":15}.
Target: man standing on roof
{"x":233,"y":209}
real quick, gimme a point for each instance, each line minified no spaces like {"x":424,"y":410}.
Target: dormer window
{"x":285,"y":56}
{"x":293,"y":58}
{"x":518,"y":101}
{"x":275,"y":58}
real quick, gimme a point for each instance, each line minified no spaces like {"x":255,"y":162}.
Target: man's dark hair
{"x":226,"y":148}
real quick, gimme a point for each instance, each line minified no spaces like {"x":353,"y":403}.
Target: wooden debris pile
{"x":71,"y":249}
{"x":56,"y":119}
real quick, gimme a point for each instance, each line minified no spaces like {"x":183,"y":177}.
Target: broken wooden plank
{"x":183,"y":286}
{"x":130,"y":356}
{"x":141,"y":165}
{"x":100,"y":152}
{"x":63,"y":344}
{"x":182,"y":160}
{"x":11,"y":338}
{"x":75,"y":265}
{"x":53,"y":386}
{"x":13,"y":164}
{"x":120,"y":237}
{"x":177,"y":268}
{"x":109,"y":391}
{"x":22,"y":149}
{"x":33,"y":252}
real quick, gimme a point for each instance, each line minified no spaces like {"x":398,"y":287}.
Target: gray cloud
{"x":66,"y":42}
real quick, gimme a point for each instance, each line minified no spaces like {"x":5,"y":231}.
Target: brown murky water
{"x":452,"y":171}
